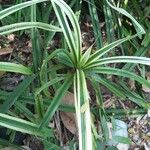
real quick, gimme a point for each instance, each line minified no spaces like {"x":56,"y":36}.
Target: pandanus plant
{"x":73,"y":68}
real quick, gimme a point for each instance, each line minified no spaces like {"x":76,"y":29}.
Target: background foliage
{"x":122,"y":54}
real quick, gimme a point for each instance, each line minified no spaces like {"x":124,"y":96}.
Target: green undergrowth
{"x":121,"y":54}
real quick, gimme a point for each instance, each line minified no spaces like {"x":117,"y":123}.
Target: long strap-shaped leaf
{"x":27,"y":25}
{"x":23,"y":126}
{"x":121,"y":59}
{"x":7,"y":143}
{"x":74,"y":22}
{"x":25,"y":111}
{"x":82,"y":111}
{"x":17,"y":7}
{"x":56,"y":102}
{"x":135,"y":97}
{"x":39,"y":90}
{"x":36,"y":44}
{"x":101,"y":110}
{"x":139,"y":53}
{"x":11,"y":67}
{"x":122,"y":93}
{"x":15,"y":94}
{"x":46,"y":85}
{"x":94,"y":57}
{"x":138,"y":27}
{"x":66,"y":29}
{"x":95,"y":23}
{"x":111,"y":87}
{"x":31,"y":100}
{"x":73,"y":39}
{"x":109,"y":47}
{"x":51,"y":56}
{"x":123,"y":73}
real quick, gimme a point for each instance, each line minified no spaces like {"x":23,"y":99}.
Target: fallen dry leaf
{"x":5,"y":51}
{"x":68,"y":99}
{"x":68,"y":119}
{"x":69,"y":122}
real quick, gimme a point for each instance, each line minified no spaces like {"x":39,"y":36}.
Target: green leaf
{"x":25,"y":111}
{"x":23,"y":126}
{"x":121,"y":139}
{"x":123,"y":92}
{"x":95,"y":23}
{"x":95,"y":56}
{"x":109,"y":85}
{"x":121,"y":59}
{"x":66,"y":29}
{"x":146,"y":40}
{"x":112,"y":148}
{"x":45,"y":62}
{"x":73,"y":39}
{"x":82,"y":110}
{"x":50,"y":146}
{"x":138,"y":27}
{"x":17,"y":7}
{"x":36,"y":43}
{"x":105,"y":128}
{"x":123,"y":73}
{"x":110,"y":21}
{"x":56,"y":102}
{"x":86,"y":56}
{"x":66,"y":59}
{"x":134,"y":97}
{"x":30,"y":100}
{"x":140,"y":52}
{"x":28,"y":25}
{"x":8,"y":143}
{"x":16,"y":94}
{"x":46,"y":85}
{"x":38,"y":99}
{"x":11,"y":67}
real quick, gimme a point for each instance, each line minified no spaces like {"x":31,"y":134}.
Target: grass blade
{"x":123,"y":73}
{"x":120,"y":59}
{"x":38,"y":105}
{"x":138,"y":27}
{"x":25,"y":111}
{"x":109,"y":47}
{"x":73,"y":39}
{"x":27,"y":25}
{"x":23,"y":126}
{"x":140,"y":53}
{"x":95,"y":56}
{"x":45,"y":62}
{"x":95,"y":22}
{"x":11,"y":67}
{"x":8,"y":143}
{"x":107,"y":84}
{"x":56,"y":102}
{"x":15,"y":94}
{"x":109,"y":20}
{"x":17,"y":7}
{"x":36,"y":45}
{"x":82,"y":111}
